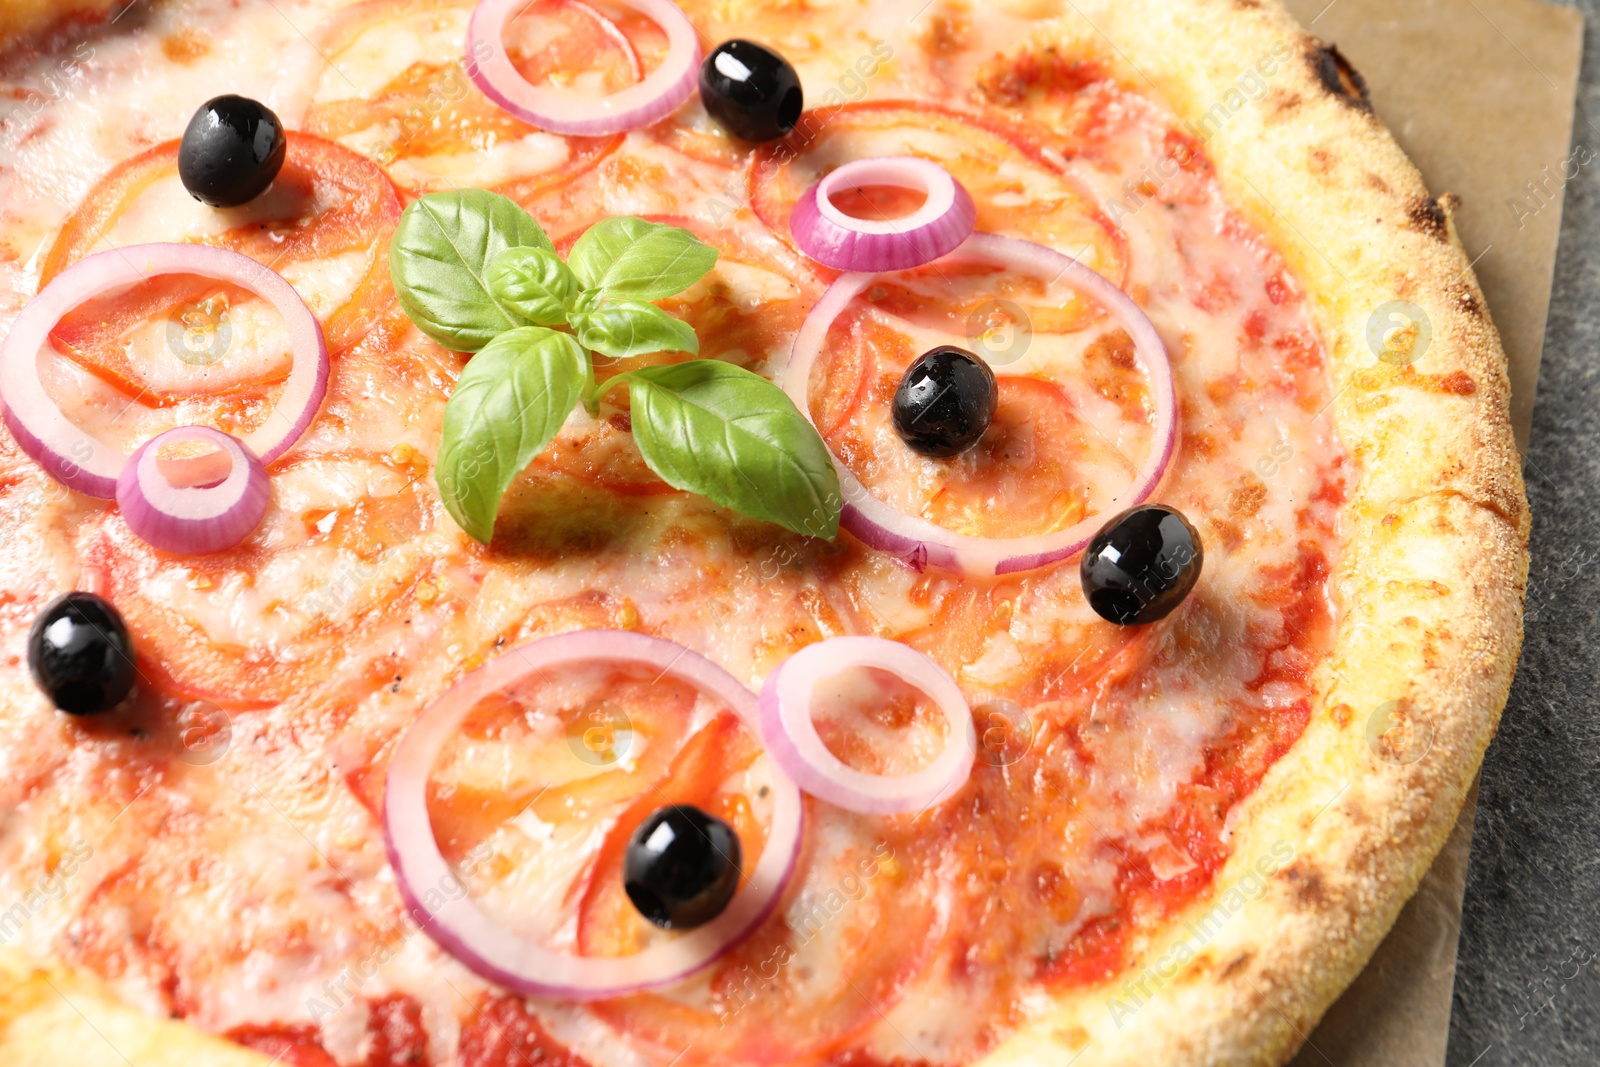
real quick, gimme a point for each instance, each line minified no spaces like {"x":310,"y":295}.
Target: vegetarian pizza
{"x":625,"y":533}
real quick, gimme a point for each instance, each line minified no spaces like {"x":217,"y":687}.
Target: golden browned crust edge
{"x":1433,"y":561}
{"x":53,"y":1016}
{"x":1430,"y":583}
{"x":23,"y":21}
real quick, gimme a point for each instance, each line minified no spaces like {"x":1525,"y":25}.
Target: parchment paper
{"x":1480,"y":94}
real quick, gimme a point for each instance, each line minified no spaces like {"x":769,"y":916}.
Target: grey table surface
{"x":1528,"y":977}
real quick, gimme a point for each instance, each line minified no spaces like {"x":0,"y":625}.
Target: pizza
{"x":786,"y":532}
{"x":25,"y":19}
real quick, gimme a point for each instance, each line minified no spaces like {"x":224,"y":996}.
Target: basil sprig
{"x":477,"y":273}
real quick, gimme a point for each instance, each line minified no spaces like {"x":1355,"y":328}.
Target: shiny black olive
{"x":1141,"y":565}
{"x":945,"y":402}
{"x":231,"y":151}
{"x":751,"y":90}
{"x":81,"y":655}
{"x":681,"y":867}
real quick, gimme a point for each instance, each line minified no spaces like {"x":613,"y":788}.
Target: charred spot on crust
{"x":1338,"y":76}
{"x":1282,"y":102}
{"x":1468,"y":300}
{"x":1427,"y":215}
{"x":1235,"y":965}
{"x":1308,"y":888}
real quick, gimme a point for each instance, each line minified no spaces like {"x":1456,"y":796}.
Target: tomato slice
{"x":609,"y":924}
{"x":396,"y":90}
{"x":1044,"y":465}
{"x":327,"y":204}
{"x":514,"y":758}
{"x":298,"y":1046}
{"x":1020,"y":469}
{"x":503,"y":1032}
{"x":863,"y":921}
{"x":394,"y":1026}
{"x":609,"y":744}
{"x":256,"y":626}
{"x":1016,"y":187}
{"x":1082,"y":655}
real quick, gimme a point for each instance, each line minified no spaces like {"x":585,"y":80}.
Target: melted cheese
{"x":253,"y":890}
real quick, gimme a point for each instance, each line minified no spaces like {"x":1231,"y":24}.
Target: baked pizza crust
{"x":54,"y":1016}
{"x":26,"y":18}
{"x":1429,"y":583}
{"x":1430,"y":579}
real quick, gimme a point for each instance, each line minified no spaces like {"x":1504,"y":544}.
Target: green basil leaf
{"x":511,"y":400}
{"x":626,"y":328}
{"x":734,"y":437}
{"x":439,"y":259}
{"x":628,"y":258}
{"x":534,"y":283}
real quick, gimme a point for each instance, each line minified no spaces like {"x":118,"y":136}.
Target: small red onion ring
{"x":922,"y":543}
{"x":791,"y":735}
{"x":77,"y":458}
{"x":193,"y":520}
{"x":640,"y":104}
{"x":484,"y":946}
{"x":845,"y":242}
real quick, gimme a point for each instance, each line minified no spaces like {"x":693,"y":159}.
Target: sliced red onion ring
{"x":196,"y":519}
{"x":791,"y":735}
{"x":640,"y":104}
{"x":844,"y":242}
{"x":80,"y":460}
{"x":922,"y":543}
{"x":462,"y":929}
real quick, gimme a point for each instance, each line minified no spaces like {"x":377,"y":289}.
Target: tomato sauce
{"x":1111,"y":757}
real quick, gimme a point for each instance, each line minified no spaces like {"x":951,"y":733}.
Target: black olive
{"x":945,"y":402}
{"x":681,"y":867}
{"x":751,"y":90}
{"x":81,"y":655}
{"x":231,"y":151}
{"x":1141,"y":565}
